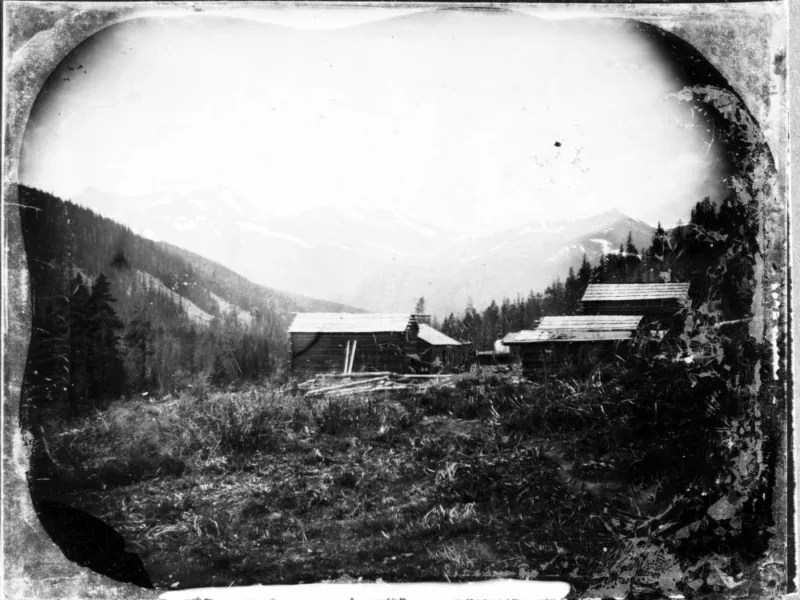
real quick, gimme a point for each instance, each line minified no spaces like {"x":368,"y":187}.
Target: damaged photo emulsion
{"x":449,"y":296}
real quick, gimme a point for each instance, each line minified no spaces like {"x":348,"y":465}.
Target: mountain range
{"x":374,"y":260}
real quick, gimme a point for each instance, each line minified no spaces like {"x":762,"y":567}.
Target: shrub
{"x":467,"y":401}
{"x":369,"y":417}
{"x":246,"y":421}
{"x":344,"y":415}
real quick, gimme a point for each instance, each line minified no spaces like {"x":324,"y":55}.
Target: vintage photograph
{"x":372,"y":293}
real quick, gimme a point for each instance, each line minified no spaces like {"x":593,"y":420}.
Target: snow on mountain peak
{"x":605,"y":245}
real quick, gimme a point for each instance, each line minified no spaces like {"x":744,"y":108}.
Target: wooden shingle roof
{"x":590,"y":323}
{"x":621,"y":292}
{"x":538,"y":336}
{"x":578,"y":328}
{"x":435,"y":337}
{"x":351,"y":323}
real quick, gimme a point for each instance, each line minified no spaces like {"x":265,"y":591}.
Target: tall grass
{"x":140,"y":438}
{"x":559,"y":404}
{"x":136,"y":439}
{"x":143,"y":438}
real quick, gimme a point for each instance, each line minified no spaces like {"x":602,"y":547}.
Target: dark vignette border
{"x":39,"y":37}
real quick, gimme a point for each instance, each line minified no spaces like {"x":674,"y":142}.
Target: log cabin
{"x":440,"y":350}
{"x":654,"y":301}
{"x":575,"y":340}
{"x":348,"y":342}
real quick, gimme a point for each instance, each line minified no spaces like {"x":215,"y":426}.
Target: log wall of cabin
{"x":547,"y":358}
{"x":450,"y":356}
{"x":648,"y":308}
{"x":325,"y":352}
{"x":429,"y":353}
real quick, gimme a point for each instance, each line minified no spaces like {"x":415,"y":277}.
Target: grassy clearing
{"x":141,"y":439}
{"x":495,"y":477}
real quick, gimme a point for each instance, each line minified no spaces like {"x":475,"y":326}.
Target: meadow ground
{"x":492,"y":477}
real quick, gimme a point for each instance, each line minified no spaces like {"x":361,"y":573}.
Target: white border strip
{"x":502,"y":588}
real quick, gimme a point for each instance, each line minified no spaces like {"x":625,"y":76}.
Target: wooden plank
{"x":342,"y":386}
{"x":369,"y":389}
{"x":353,"y":357}
{"x":364,"y":374}
{"x":426,"y":376}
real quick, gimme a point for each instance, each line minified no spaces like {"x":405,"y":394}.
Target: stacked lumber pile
{"x":345,"y":384}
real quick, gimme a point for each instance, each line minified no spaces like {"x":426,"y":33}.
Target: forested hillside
{"x":115,"y":313}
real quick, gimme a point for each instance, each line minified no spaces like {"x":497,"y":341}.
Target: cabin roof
{"x":590,"y":323}
{"x":605,"y":292}
{"x":434,"y":337}
{"x":351,"y":323}
{"x":578,"y":328}
{"x":540,"y":336}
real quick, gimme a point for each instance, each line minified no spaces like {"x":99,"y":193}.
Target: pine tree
{"x":189,"y":342}
{"x":492,"y":326}
{"x":600,"y":274}
{"x":506,"y":316}
{"x":219,"y":375}
{"x":584,"y":273}
{"x":139,"y":339}
{"x":555,"y":299}
{"x":572,"y":293}
{"x":80,"y":345}
{"x":450,"y":327}
{"x":106,"y":369}
{"x":48,"y":246}
{"x":658,"y":248}
{"x":473,"y":326}
{"x":630,"y":248}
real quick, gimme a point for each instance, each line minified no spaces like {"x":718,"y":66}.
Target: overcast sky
{"x":451,"y":116}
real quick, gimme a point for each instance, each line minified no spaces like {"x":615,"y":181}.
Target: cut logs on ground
{"x":339,"y":384}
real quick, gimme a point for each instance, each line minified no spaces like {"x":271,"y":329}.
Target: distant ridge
{"x":371,"y":259}
{"x":226,"y":277}
{"x":199,"y":287}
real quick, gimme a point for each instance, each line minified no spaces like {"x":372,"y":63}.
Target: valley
{"x":375,"y":260}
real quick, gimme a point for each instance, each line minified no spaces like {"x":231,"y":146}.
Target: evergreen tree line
{"x":110,"y":313}
{"x":687,"y":253}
